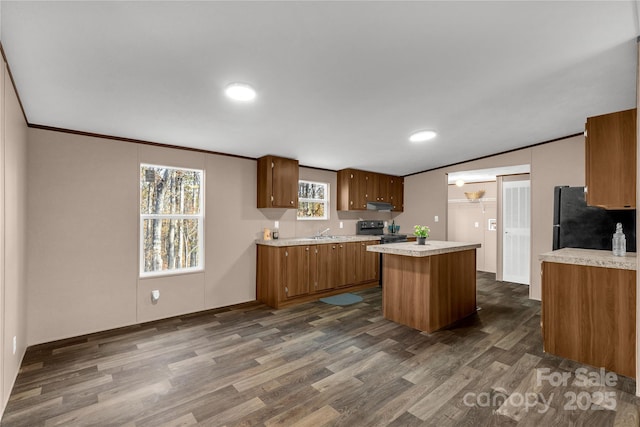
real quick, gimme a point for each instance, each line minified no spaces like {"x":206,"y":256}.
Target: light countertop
{"x":433,"y":247}
{"x":591,"y":258}
{"x":300,"y":241}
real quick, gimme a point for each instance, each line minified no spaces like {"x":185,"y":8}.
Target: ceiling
{"x":339,"y":84}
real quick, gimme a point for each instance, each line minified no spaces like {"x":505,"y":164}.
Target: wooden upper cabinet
{"x":357,"y":187}
{"x":352,"y":190}
{"x":610,"y":153}
{"x":277,"y":182}
{"x":397,"y":193}
{"x":383,"y":188}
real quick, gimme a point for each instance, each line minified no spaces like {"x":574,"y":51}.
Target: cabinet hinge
{"x":585,"y":133}
{"x":272,"y":198}
{"x":286,"y":253}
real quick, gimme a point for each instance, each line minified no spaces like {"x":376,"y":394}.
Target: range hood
{"x":379,"y":206}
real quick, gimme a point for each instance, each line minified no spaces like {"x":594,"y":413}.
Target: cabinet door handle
{"x":291,"y":202}
{"x":306,"y":249}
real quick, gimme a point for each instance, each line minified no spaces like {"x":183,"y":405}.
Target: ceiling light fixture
{"x":240,"y":92}
{"x":422,"y":136}
{"x":459,"y":183}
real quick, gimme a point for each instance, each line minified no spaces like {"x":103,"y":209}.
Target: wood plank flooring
{"x":318,"y":365}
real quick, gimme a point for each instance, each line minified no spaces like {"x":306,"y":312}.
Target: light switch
{"x":276,"y":224}
{"x":341,"y":224}
{"x":477,"y":224}
{"x":435,"y":218}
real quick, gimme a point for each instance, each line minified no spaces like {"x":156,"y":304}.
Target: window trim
{"x":326,"y":201}
{"x":201,"y":222}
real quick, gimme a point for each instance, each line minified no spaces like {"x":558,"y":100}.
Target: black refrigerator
{"x":576,"y":225}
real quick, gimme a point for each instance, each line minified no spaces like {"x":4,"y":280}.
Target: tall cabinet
{"x":277,"y":182}
{"x":610,"y":152}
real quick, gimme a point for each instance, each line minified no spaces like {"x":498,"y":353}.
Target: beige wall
{"x":463,"y":215}
{"x":556,"y":163}
{"x":13,"y":202}
{"x":83,"y":235}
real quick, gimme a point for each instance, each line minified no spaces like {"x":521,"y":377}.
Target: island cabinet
{"x":277,"y":182}
{"x":610,"y":154}
{"x":357,"y":187}
{"x":294,"y":274}
{"x":589,"y":311}
{"x":428,"y":287}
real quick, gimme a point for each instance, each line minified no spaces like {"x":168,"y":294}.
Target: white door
{"x":516,"y":231}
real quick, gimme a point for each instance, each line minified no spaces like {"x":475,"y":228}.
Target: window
{"x":313,"y":200}
{"x":171,"y":220}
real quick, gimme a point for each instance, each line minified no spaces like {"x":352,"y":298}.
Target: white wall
{"x":13,"y":159}
{"x":555,"y":163}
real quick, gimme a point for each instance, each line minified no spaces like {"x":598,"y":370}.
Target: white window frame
{"x":325,"y":201}
{"x":200,"y":217}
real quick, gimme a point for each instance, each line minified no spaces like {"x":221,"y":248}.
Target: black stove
{"x":376,"y":228}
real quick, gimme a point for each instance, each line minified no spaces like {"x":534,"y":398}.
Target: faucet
{"x":320,"y":233}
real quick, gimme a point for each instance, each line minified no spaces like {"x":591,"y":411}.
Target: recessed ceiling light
{"x":459,"y":183}
{"x":422,"y":136}
{"x":240,"y":92}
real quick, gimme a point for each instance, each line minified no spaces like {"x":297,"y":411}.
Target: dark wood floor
{"x":314,"y":365}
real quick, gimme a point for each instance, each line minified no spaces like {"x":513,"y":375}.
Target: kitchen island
{"x":428,"y":287}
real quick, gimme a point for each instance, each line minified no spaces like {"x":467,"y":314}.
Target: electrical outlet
{"x":477,"y":225}
{"x":15,"y":344}
{"x":435,"y":218}
{"x":276,"y":224}
{"x":341,"y":224}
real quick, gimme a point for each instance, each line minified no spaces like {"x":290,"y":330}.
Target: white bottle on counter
{"x":619,"y":241}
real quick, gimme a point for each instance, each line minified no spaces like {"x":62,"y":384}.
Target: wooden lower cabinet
{"x":589,"y":315}
{"x":327,"y":277}
{"x":300,"y":270}
{"x":293,"y":274}
{"x":368,"y":263}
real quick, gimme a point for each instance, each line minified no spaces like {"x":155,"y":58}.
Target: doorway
{"x":490,"y":217}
